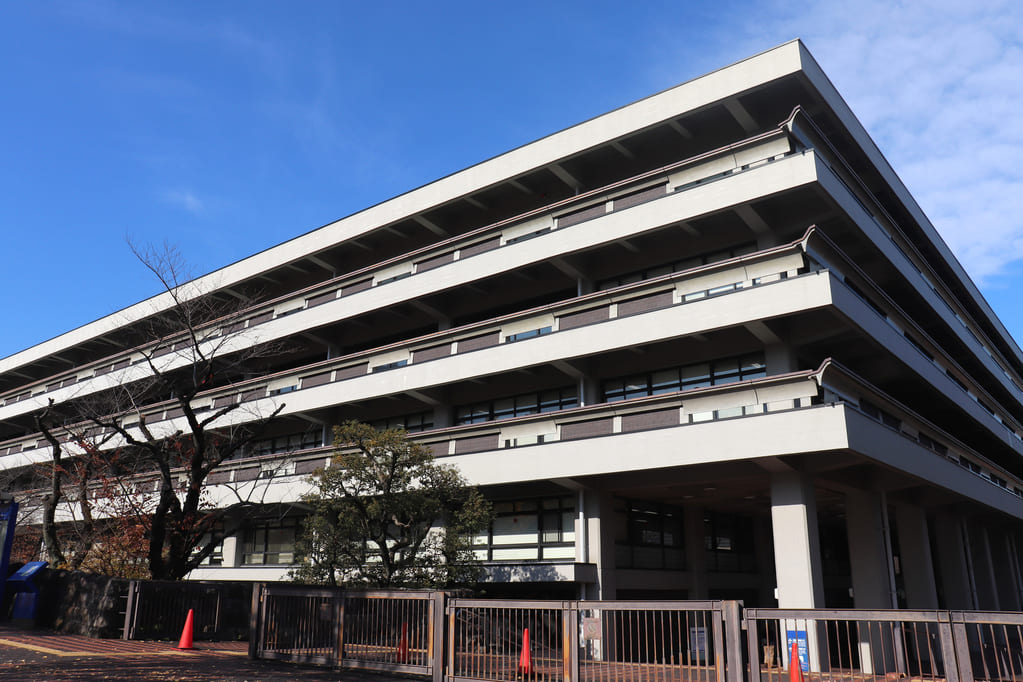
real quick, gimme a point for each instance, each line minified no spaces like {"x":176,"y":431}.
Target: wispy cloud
{"x":145,"y":21}
{"x":939,"y":85}
{"x":184,"y":199}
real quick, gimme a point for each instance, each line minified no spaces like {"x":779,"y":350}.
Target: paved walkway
{"x":39,"y":655}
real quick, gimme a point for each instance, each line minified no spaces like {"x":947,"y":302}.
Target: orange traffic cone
{"x":525,"y":658}
{"x":795,"y":665}
{"x":402,"y":653}
{"x":186,"y":632}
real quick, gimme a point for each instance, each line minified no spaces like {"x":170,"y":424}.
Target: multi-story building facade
{"x":705,"y":346}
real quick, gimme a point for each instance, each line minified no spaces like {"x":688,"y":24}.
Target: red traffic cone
{"x":402,"y":653}
{"x":186,"y":632}
{"x":795,"y":665}
{"x":525,"y":658}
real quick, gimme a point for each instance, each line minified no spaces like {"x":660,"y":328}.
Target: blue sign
{"x":799,"y":637}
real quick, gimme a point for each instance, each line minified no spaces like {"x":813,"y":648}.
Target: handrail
{"x":830,"y":384}
{"x":437,"y":249}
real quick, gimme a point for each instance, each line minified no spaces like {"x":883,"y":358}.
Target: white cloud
{"x":185,"y":199}
{"x":939,"y":85}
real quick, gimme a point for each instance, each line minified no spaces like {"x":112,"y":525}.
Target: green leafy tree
{"x":386,"y":514}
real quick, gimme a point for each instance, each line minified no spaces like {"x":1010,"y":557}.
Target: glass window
{"x":530,"y":529}
{"x":754,"y":367}
{"x":614,"y":391}
{"x":518,"y":406}
{"x":665,"y":381}
{"x":726,"y":371}
{"x":636,"y":387}
{"x":696,"y":376}
{"x":526,"y":404}
{"x":270,"y":542}
{"x":654,"y":537}
{"x":504,"y":408}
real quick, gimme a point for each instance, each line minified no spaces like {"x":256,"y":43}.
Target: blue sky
{"x":227,"y":127}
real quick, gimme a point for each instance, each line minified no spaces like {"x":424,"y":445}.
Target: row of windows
{"x":677,"y":266}
{"x":654,"y":539}
{"x":686,"y":377}
{"x":526,"y":530}
{"x":518,"y":406}
{"x":287,"y":443}
{"x":270,"y":542}
{"x":696,"y":375}
{"x":412,"y":423}
{"x":544,"y":528}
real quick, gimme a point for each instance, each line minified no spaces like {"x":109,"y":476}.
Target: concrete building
{"x":703,"y":346}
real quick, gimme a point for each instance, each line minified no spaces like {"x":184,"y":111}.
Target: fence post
{"x":129,"y":609}
{"x":254,"y":625}
{"x":337,"y":629}
{"x":438,"y":602}
{"x":570,"y":643}
{"x":962,"y":663}
{"x":749,"y":623}
{"x":450,"y":639}
{"x":733,"y":640}
{"x":716,"y":619}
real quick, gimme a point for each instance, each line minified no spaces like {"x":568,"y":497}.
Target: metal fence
{"x":299,"y":624}
{"x":392,"y":630}
{"x":157,"y":609}
{"x":377,"y":630}
{"x":988,"y":645}
{"x":497,"y":640}
{"x":492,"y":639}
{"x":465,"y":640}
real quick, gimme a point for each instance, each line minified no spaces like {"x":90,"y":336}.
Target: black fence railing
{"x":157,"y":609}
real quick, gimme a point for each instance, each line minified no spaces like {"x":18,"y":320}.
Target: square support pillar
{"x":979,"y":552}
{"x":797,"y":555}
{"x":600,"y":533}
{"x":956,"y":580}
{"x":915,"y":555}
{"x":1006,"y":578}
{"x":873,"y":578}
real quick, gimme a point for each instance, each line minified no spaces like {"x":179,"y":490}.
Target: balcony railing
{"x":829,"y":385}
{"x":720,"y":278}
{"x":660,"y":183}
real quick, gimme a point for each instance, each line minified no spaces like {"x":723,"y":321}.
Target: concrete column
{"x":873,"y":580}
{"x":1006,"y":578}
{"x":232,"y":551}
{"x":600,"y":519}
{"x":780,"y":359}
{"x":979,"y":552}
{"x":589,"y":390}
{"x":797,"y":553}
{"x":696,"y":552}
{"x":917,"y":571}
{"x":442,"y":416}
{"x":797,"y":557}
{"x":915,"y":555}
{"x":956,"y":582}
{"x":1012,"y":540}
{"x":870,"y":555}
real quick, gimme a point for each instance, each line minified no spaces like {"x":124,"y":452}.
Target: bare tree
{"x":145,"y":470}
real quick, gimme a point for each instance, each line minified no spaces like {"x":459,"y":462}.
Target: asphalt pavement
{"x":34,"y":655}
